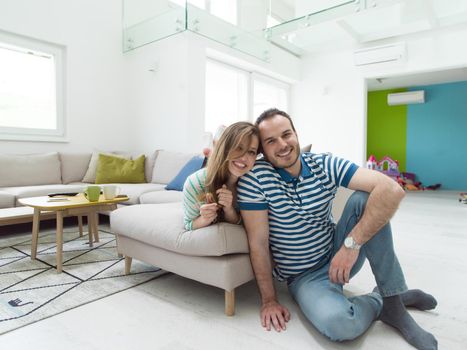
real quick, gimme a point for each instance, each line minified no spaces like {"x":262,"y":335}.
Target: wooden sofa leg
{"x":120,"y":255}
{"x":127,"y":265}
{"x":230,"y":302}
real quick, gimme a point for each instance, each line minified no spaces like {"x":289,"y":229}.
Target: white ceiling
{"x":344,"y":26}
{"x":426,"y":78}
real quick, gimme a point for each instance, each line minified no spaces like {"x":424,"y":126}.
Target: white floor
{"x":430,"y":232}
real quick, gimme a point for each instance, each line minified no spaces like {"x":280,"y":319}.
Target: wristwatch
{"x":350,"y":243}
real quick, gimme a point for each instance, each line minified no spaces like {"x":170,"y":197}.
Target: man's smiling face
{"x":279,"y":142}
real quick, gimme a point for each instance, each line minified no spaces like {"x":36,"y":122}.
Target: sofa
{"x":33,"y":175}
{"x":216,"y":255}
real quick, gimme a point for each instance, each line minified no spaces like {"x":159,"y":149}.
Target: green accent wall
{"x":386,"y":128}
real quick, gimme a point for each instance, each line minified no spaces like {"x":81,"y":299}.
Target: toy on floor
{"x":387,"y":166}
{"x":463,"y":197}
{"x":409,"y":183}
{"x":390,"y":167}
{"x":372,"y":163}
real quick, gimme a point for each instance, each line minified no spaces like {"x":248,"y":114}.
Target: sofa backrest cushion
{"x":90,"y":175}
{"x":7,"y":200}
{"x":193,"y":165}
{"x":74,"y":166}
{"x":168,"y":164}
{"x":30,"y":169}
{"x":149,"y":164}
{"x":306,"y":148}
{"x":112,"y":169}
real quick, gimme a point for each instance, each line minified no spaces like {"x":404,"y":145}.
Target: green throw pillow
{"x":119,"y":170}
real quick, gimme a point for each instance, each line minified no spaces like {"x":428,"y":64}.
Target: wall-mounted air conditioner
{"x":406,"y":98}
{"x":380,"y":54}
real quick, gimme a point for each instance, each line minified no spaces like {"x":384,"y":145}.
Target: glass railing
{"x":143,"y":24}
{"x":255,"y":26}
{"x":293,"y":35}
{"x":252,"y":27}
{"x":217,"y":29}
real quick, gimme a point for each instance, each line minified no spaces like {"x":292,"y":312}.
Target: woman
{"x":210,"y":194}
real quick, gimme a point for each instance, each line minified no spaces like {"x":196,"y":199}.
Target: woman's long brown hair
{"x":217,"y":172}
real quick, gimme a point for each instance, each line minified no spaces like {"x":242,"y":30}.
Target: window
{"x":234,"y":94}
{"x":268,"y":93}
{"x":226,"y":95}
{"x":31,"y":106}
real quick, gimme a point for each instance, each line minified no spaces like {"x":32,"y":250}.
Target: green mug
{"x":92,"y":193}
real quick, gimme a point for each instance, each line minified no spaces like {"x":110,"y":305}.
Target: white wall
{"x":168,"y":105}
{"x":95,"y":96}
{"x":329,"y":104}
{"x":159,"y":103}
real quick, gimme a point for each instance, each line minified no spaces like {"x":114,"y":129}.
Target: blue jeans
{"x":323,"y":302}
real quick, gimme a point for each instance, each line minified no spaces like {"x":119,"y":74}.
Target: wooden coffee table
{"x":74,"y":206}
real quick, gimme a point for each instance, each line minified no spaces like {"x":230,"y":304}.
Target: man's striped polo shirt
{"x":301,"y":226}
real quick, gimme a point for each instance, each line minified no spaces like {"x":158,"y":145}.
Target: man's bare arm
{"x":383,"y":201}
{"x":384,"y":198}
{"x":257,"y":228}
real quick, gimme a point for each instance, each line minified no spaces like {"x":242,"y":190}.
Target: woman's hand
{"x":225,"y":197}
{"x":226,"y":202}
{"x":208,"y":212}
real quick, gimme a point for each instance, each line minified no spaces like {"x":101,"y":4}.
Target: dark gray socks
{"x":395,"y":314}
{"x":419,"y":299}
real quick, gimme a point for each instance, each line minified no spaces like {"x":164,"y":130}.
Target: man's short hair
{"x":271,"y":112}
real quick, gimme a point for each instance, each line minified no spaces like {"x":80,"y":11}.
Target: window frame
{"x":228,"y":66}
{"x":253,"y":76}
{"x":23,"y":43}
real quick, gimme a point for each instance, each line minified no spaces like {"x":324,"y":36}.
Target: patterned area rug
{"x":32,"y":290}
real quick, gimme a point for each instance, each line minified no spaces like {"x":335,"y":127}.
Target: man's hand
{"x":275,"y":314}
{"x":341,"y":265}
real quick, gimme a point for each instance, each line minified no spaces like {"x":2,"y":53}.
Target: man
{"x":286,"y":201}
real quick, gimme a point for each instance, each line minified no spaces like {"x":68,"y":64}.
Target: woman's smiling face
{"x":247,"y":151}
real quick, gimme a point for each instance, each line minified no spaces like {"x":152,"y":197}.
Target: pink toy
{"x":372,"y":163}
{"x":387,"y":166}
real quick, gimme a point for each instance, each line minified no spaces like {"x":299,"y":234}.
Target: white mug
{"x":111,"y":191}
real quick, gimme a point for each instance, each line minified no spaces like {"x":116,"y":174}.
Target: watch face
{"x":348,"y":242}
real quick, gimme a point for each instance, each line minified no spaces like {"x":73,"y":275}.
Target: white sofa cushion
{"x":42,"y":190}
{"x":7,"y":200}
{"x":168,"y":164}
{"x":161,"y":197}
{"x":31,"y":169}
{"x":149,"y":165}
{"x":74,"y":166}
{"x":161,"y":225}
{"x":134,"y":191}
